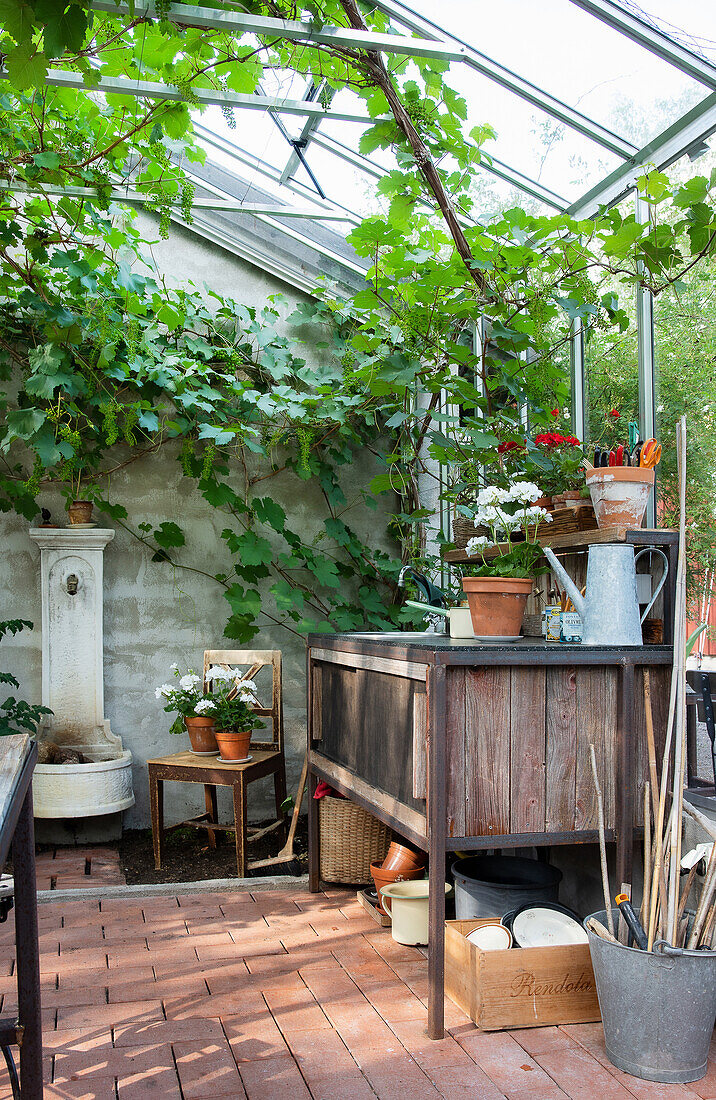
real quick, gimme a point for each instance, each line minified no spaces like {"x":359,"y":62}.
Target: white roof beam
{"x":146,"y":89}
{"x":229,"y":206}
{"x":233,"y":22}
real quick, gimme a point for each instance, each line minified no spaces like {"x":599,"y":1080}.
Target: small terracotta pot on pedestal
{"x":233,"y":745}
{"x":497,"y":605}
{"x":80,"y":511}
{"x":201,"y":735}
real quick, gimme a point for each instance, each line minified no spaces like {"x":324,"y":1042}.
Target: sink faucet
{"x":431,"y":593}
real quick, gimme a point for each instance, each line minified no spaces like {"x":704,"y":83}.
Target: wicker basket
{"x":351,"y":839}
{"x":463,"y":530}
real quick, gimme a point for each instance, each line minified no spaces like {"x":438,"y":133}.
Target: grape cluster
{"x":183,"y":86}
{"x":304,"y":436}
{"x":186,"y":457}
{"x":110,"y":430}
{"x":187,"y":199}
{"x":208,"y":461}
{"x":420,"y":111}
{"x":33,"y":483}
{"x":131,"y":336}
{"x":229,"y":116}
{"x":130,"y":417}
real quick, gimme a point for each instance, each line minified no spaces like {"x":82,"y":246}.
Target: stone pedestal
{"x":73,"y":679}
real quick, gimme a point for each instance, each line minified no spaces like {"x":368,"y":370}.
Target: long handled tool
{"x":287,"y":854}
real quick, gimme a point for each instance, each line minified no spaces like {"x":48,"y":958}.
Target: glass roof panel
{"x":574,"y":56}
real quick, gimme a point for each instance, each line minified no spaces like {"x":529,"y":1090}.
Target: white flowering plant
{"x":186,"y":698}
{"x":513,"y":520}
{"x":233,"y":700}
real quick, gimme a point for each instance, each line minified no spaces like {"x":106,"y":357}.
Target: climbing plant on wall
{"x":103,"y":363}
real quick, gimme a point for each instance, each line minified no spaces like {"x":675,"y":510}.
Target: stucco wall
{"x":153,"y":614}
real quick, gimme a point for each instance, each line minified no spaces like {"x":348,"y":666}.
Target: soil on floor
{"x":188,"y":857}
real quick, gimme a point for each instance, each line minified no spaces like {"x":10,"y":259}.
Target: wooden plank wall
{"x":517,"y":749}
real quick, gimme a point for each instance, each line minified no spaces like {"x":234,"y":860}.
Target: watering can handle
{"x":664,"y":575}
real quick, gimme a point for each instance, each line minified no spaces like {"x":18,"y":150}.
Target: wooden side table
{"x":185,"y":767}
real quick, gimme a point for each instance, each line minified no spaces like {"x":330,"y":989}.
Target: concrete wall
{"x":153,"y":614}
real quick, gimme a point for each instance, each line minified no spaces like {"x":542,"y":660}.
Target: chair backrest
{"x":255,"y":660}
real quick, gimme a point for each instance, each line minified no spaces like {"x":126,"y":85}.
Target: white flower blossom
{"x":539,"y":515}
{"x":164,"y":691}
{"x":190,"y":682}
{"x":524,"y":492}
{"x":174,"y":667}
{"x":216,"y":672}
{"x":491,"y":494}
{"x":250,"y":685}
{"x":474,"y":544}
{"x":203,"y":705}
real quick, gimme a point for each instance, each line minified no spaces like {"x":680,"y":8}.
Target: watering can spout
{"x":567,"y":583}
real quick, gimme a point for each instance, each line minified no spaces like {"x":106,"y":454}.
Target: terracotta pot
{"x":385,"y":878}
{"x":400,"y":857}
{"x":620,"y":495}
{"x":201,"y":734}
{"x":543,"y":502}
{"x":497,"y":604}
{"x":233,"y":745}
{"x":80,"y":511}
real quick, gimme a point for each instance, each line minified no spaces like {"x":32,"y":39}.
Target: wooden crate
{"x":520,"y":987}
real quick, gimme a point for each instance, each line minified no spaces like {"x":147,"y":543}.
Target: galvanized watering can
{"x":610,"y":608}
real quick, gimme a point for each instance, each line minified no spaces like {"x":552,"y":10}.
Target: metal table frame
{"x":17,"y":832}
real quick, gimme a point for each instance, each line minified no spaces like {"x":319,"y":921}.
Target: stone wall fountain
{"x":73,"y":681}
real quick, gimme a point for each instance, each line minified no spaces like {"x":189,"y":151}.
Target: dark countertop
{"x":418,"y":643}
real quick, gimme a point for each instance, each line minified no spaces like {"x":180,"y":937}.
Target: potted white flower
{"x":497,"y":588}
{"x":233,"y":702}
{"x":194,"y":709}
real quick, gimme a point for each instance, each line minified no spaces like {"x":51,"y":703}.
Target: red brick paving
{"x":78,"y":868}
{"x":277,"y":996}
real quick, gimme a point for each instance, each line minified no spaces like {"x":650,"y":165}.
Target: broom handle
{"x":602,"y":843}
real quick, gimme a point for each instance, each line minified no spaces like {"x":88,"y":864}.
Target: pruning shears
{"x":619,"y":457}
{"x":650,"y":454}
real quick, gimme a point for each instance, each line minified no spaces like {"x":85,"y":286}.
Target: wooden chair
{"x":267,"y":760}
{"x":256,"y":659}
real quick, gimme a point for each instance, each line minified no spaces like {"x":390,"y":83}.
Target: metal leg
{"x":156,"y":803}
{"x":239,"y":791}
{"x":212,"y":808}
{"x":437,"y":708}
{"x":12,"y":1073}
{"x":625,"y":772}
{"x":28,"y":960}
{"x":314,"y":838}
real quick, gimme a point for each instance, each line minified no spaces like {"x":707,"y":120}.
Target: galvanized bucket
{"x":657,"y":1008}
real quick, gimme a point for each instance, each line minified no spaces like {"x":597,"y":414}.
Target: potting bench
{"x":17,"y":764}
{"x":464,"y":745}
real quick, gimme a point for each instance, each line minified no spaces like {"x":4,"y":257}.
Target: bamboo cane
{"x":708,"y":928}
{"x":680,"y":706}
{"x":599,"y":930}
{"x":602,"y":843}
{"x":647,"y":856}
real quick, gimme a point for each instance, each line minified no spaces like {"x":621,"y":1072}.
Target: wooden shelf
{"x":577,"y":540}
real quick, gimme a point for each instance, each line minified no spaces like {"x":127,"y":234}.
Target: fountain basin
{"x":103,"y":786}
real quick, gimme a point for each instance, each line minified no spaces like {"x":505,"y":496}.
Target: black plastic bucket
{"x":489,"y":886}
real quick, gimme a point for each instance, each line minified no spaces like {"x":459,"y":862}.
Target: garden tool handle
{"x":664,"y":575}
{"x":633,"y":923}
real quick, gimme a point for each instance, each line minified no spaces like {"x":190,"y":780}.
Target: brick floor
{"x":78,"y":868}
{"x":278,"y":996}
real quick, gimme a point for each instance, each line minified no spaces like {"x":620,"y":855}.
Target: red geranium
{"x":555,"y":412}
{"x":554,"y":439}
{"x":509,"y":445}
{"x":615,"y":414}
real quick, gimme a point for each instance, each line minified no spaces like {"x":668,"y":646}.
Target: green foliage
{"x":17,"y":716}
{"x":101,"y":362}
